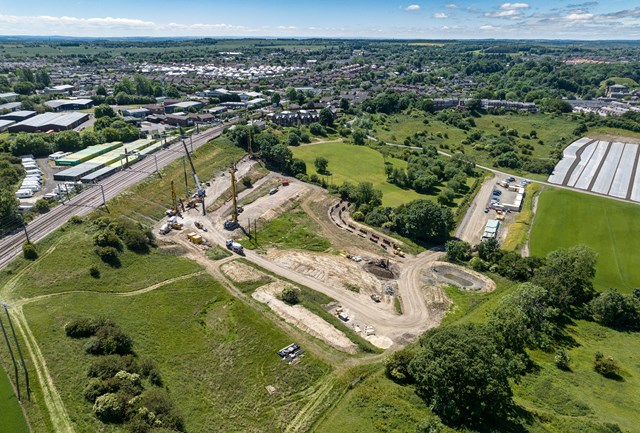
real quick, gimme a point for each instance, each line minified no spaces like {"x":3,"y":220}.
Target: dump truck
{"x":234,"y":246}
{"x":166,"y":228}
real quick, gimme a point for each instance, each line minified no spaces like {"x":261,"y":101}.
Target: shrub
{"x":108,"y":255}
{"x":616,"y":310}
{"x":606,"y":366}
{"x":562,"y":360}
{"x":76,"y":220}
{"x":80,"y":328}
{"x":110,"y":340}
{"x":97,"y":387}
{"x":109,"y":408}
{"x":290,"y":295}
{"x":156,"y":400}
{"x":135,"y":236}
{"x":94,"y":272}
{"x":246,"y":181}
{"x":106,"y":367}
{"x":397,"y":366}
{"x":41,"y":206}
{"x":107,"y":238}
{"x":477,"y":264}
{"x":29,"y":251}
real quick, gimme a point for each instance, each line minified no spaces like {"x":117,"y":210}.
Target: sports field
{"x":350,"y":163}
{"x":11,"y":418}
{"x":612,"y":228}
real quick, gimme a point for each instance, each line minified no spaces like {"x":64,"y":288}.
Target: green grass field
{"x":11,"y":418}
{"x":292,"y":229}
{"x":65,"y":259}
{"x":612,"y":228}
{"x":350,"y":163}
{"x":216,"y":355}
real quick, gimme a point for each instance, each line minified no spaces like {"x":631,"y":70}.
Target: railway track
{"x":90,"y":198}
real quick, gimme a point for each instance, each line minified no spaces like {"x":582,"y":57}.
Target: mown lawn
{"x":12,"y":420}
{"x":215,"y":354}
{"x":355,"y":164}
{"x":612,"y":228}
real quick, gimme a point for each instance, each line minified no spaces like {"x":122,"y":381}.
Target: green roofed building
{"x":87,"y":154}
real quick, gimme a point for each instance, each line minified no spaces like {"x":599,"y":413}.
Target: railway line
{"x":90,"y":198}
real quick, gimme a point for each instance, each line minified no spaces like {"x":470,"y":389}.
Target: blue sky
{"x":559,"y":19}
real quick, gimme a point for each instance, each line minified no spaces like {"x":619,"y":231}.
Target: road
{"x":88,"y":200}
{"x":472,"y":225}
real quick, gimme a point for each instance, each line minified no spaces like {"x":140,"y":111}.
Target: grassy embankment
{"x":519,"y":231}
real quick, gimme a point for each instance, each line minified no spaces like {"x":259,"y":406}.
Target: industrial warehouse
{"x":49,"y":122}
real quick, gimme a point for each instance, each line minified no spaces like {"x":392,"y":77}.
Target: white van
{"x":24,"y":193}
{"x":34,"y":171}
{"x":33,"y":177}
{"x":56,"y":155}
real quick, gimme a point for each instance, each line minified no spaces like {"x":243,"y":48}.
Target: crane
{"x":232,"y":224}
{"x":199,"y":190}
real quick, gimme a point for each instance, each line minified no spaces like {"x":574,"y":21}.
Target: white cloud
{"x":511,"y":6}
{"x":412,"y":8}
{"x":440,"y":15}
{"x":503,"y":14}
{"x":452,"y":6}
{"x":579,"y":16}
{"x":488,"y":27}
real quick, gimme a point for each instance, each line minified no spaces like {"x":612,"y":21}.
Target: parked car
{"x":497,"y":192}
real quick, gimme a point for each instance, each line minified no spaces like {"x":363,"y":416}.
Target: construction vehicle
{"x":166,"y":228}
{"x":199,"y":226}
{"x":174,"y":224}
{"x":200,"y":192}
{"x":398,"y":252}
{"x":369,"y":330}
{"x":232,"y":224}
{"x":234,"y":246}
{"x":376,"y":298}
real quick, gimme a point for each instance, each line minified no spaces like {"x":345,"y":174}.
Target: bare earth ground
{"x":335,"y":270}
{"x":299,"y":316}
{"x":241,"y":273}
